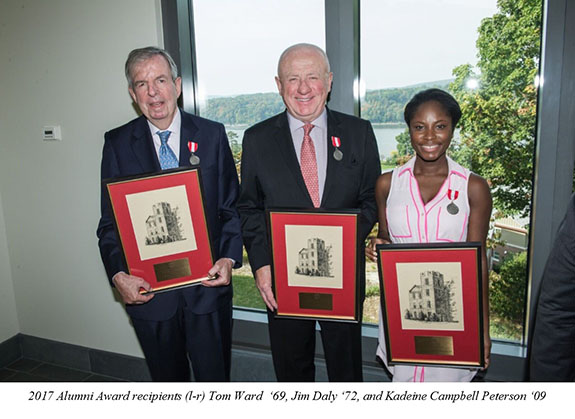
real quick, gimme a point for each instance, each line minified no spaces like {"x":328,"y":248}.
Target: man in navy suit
{"x":344,"y":169}
{"x":193,"y":322}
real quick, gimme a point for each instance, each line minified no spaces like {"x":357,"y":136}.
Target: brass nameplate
{"x":315,"y":301}
{"x":434,"y":345}
{"x":173,"y":269}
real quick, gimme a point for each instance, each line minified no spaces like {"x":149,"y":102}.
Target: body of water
{"x":384,"y":133}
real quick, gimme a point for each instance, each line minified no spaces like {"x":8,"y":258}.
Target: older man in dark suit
{"x":193,"y":322}
{"x":306,"y":157}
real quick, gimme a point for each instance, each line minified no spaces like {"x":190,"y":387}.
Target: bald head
{"x":297,"y":48}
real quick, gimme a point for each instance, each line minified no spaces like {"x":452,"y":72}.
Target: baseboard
{"x":10,"y":351}
{"x":249,"y":364}
{"x":94,"y":361}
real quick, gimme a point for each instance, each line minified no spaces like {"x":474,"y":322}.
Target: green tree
{"x":404,"y":148}
{"x":498,"y":122}
{"x":507,"y":294}
{"x":236,"y":149}
{"x":386,"y":105}
{"x":243,"y":109}
{"x":234,"y":144}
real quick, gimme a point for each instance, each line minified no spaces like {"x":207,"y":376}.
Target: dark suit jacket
{"x":271,"y":178}
{"x":553,"y":347}
{"x":129,"y":150}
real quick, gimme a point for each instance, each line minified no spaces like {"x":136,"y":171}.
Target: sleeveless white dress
{"x":410,"y":221}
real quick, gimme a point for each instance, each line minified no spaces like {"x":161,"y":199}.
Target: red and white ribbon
{"x":193,"y":147}
{"x":455,"y":194}
{"x":336,"y":141}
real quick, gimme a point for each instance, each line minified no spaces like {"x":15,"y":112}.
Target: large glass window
{"x":487,"y":55}
{"x":238,"y":44}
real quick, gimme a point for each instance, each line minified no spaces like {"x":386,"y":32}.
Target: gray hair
{"x":303,"y":46}
{"x":142,"y":54}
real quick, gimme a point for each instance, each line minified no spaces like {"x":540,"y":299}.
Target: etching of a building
{"x":163,"y":225}
{"x":431,"y":299}
{"x":315,"y":259}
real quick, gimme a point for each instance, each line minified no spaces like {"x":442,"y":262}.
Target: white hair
{"x":142,"y":54}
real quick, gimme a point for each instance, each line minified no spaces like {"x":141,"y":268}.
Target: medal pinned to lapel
{"x":193,"y":147}
{"x":452,"y":208}
{"x":336,"y":142}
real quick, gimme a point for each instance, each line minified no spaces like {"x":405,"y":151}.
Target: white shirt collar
{"x":173,"y":139}
{"x":174,"y":126}
{"x":320,"y":121}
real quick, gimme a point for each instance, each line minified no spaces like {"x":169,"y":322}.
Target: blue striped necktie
{"x":168,"y":159}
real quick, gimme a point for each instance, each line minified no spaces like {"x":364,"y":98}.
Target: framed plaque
{"x":431,"y":303}
{"x":315,"y":268}
{"x":161,"y":222}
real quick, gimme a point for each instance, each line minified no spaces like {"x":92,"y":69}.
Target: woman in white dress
{"x":430,"y":199}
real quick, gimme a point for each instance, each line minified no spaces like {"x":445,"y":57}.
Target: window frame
{"x":554,"y":146}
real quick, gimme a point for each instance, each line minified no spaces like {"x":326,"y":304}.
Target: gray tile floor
{"x":29,"y":370}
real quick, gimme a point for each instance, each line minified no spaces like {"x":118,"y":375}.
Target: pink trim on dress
{"x":411,"y":181}
{"x":464,"y":230}
{"x":421,"y":375}
{"x":455,"y":172}
{"x":408,"y":224}
{"x":407,"y":169}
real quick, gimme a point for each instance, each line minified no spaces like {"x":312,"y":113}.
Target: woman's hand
{"x":370,"y":252}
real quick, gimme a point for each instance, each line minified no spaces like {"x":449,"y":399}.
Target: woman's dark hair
{"x":440,"y":96}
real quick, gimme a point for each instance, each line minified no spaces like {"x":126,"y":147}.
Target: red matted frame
{"x":170,"y":263}
{"x":314,"y":290}
{"x":431,"y":302}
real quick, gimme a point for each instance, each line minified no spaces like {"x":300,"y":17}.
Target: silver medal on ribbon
{"x":337,"y":154}
{"x":452,"y":208}
{"x":194,"y":160}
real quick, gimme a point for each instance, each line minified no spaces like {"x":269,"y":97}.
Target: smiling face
{"x":154,"y":91}
{"x":431,"y":131}
{"x":304,"y":83}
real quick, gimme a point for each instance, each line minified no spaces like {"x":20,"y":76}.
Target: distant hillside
{"x":243,"y":109}
{"x":386,"y":105}
{"x":380,"y":106}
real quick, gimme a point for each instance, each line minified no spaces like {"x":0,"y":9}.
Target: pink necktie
{"x":309,"y":165}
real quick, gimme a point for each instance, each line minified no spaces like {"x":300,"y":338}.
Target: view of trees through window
{"x":485,"y":52}
{"x":497,"y":92}
{"x":236,"y":68}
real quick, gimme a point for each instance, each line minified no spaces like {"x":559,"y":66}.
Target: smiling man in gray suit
{"x":290,"y":161}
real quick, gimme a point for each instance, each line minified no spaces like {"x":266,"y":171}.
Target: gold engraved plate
{"x":314,"y":300}
{"x":434,"y":345}
{"x":173,"y":269}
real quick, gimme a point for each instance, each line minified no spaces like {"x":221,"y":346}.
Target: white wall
{"x":62,"y":64}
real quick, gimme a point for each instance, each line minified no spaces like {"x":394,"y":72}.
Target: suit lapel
{"x":143,"y":147}
{"x":188,"y":132}
{"x":333,"y":166}
{"x":286,"y":147}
